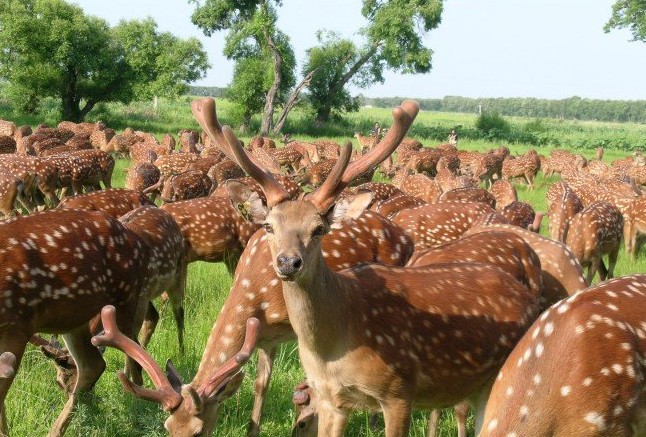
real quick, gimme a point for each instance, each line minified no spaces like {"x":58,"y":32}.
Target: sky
{"x":550,"y":49}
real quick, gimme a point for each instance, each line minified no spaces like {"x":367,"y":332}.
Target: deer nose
{"x":288,"y":265}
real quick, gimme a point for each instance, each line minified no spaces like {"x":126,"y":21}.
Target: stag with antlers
{"x":368,"y":337}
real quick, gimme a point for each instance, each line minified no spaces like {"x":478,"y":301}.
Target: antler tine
{"x":235,"y":363}
{"x":403,"y":117}
{"x":325,"y":195}
{"x":164,"y":393}
{"x":7,"y":365}
{"x":225,"y":139}
{"x":273,"y":190}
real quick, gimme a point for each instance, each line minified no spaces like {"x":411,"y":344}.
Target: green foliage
{"x":492,"y":123}
{"x":393,"y":40}
{"x":629,"y":14}
{"x":570,"y":108}
{"x":50,"y":48}
{"x":397,"y":27}
{"x":162,"y":62}
{"x":330,"y":60}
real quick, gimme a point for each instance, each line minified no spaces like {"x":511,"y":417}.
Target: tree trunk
{"x":292,"y":101}
{"x":323,"y":114}
{"x":268,"y":112}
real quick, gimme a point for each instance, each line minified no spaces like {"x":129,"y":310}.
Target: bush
{"x":492,"y":124}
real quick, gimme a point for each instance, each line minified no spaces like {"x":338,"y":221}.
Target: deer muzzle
{"x":287,"y":266}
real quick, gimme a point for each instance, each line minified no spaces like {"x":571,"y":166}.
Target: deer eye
{"x":319,"y":231}
{"x":268,"y":228}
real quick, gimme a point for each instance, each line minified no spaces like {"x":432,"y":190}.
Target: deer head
{"x":193,"y":410}
{"x":295,"y":228}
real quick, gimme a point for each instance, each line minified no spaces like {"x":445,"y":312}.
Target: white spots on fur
{"x":548,"y":329}
{"x":595,"y":419}
{"x":493,"y":424}
{"x":566,"y":390}
{"x":587,"y":382}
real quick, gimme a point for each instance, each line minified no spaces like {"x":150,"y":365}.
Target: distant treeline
{"x":575,"y":108}
{"x":212,"y":91}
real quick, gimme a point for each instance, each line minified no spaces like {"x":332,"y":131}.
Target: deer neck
{"x":317,"y":308}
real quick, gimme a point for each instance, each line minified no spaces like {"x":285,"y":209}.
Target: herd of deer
{"x":429,"y":292}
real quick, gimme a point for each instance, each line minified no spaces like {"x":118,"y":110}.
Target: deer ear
{"x":173,"y":376}
{"x":348,"y":208}
{"x":247,"y":202}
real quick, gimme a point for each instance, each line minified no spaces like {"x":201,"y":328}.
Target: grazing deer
{"x":76,"y":262}
{"x":377,"y":337}
{"x":562,"y":205}
{"x":504,"y":193}
{"x":522,"y":214}
{"x":578,"y":371}
{"x":525,"y":166}
{"x":182,"y":400}
{"x":594,"y":232}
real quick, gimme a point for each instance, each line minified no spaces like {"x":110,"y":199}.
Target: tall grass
{"x":34,"y":401}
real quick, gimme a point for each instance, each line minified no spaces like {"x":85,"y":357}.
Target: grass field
{"x":34,"y":400}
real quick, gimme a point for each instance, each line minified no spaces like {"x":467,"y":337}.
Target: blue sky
{"x":483,"y":48}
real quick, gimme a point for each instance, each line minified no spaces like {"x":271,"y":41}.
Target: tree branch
{"x":268,"y":113}
{"x":293,"y":100}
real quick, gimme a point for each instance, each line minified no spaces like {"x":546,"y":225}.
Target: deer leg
{"x":593,"y":268}
{"x":150,"y":323}
{"x":90,"y":366}
{"x":612,"y":261}
{"x":176,"y":296}
{"x":433,"y":423}
{"x":478,"y":402}
{"x":461,"y":411}
{"x":630,"y":238}
{"x":261,"y":386}
{"x":332,"y":421}
{"x":12,"y":339}
{"x":129,"y":321}
{"x":397,"y":416}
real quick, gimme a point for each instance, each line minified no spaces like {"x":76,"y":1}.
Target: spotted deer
{"x":502,"y":249}
{"x":370,"y":238}
{"x":562,"y":205}
{"x":583,"y":359}
{"x":394,"y":205}
{"x":182,"y":400}
{"x":141,"y":176}
{"x":504,"y":193}
{"x":435,"y":224}
{"x":421,"y":186}
{"x":114,"y":201}
{"x":594,"y":232}
{"x":561,"y":271}
{"x":522,"y":214}
{"x":469,"y":194}
{"x":76,"y":262}
{"x":525,"y":166}
{"x":367,"y":335}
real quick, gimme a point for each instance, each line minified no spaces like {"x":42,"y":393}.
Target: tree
{"x":162,"y":62}
{"x":254,"y":42}
{"x":50,"y":48}
{"x":332,"y":59}
{"x":629,"y":14}
{"x":393,"y":40}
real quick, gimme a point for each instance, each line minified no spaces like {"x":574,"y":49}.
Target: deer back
{"x":577,"y":370}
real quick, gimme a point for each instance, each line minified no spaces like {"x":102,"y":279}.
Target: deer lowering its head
{"x":375,"y":337}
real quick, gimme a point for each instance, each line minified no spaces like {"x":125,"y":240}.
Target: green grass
{"x":34,"y":401}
